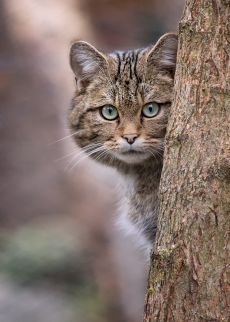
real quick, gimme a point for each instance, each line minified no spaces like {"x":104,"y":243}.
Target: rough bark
{"x":189,"y":276}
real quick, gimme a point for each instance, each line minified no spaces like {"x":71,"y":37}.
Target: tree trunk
{"x":189,"y":276}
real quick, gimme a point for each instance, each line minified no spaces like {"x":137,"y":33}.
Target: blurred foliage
{"x":37,"y":255}
{"x":90,"y":305}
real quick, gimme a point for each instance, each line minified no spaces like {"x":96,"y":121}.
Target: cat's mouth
{"x":132,"y":152}
{"x":133,"y":156}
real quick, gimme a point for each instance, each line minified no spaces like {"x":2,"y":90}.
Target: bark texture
{"x":189,"y":277}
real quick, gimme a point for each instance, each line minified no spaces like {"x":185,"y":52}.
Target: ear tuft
{"x":85,"y":62}
{"x":164,"y":53}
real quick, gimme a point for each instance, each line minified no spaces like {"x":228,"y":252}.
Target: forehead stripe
{"x":135,"y":64}
{"x":133,"y":55}
{"x":119,"y":65}
{"x":124,"y":55}
{"x":128,"y":62}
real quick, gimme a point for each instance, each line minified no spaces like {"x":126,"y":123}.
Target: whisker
{"x":101,"y":155}
{"x":65,"y":137}
{"x":156,"y":154}
{"x":84,"y":149}
{"x":152,"y":154}
{"x":86,"y":156}
{"x":73,"y":159}
{"x":65,"y":156}
{"x":159,"y":155}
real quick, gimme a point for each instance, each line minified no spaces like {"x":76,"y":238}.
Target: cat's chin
{"x":133,"y":157}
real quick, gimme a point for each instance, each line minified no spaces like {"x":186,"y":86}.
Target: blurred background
{"x":62,"y":257}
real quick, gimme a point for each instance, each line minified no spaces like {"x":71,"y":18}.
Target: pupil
{"x":110,"y":110}
{"x":150,"y":109}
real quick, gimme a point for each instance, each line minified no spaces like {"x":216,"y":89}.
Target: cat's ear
{"x":86,"y":62}
{"x":164,"y":53}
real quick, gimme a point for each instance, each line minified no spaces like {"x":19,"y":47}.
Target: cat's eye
{"x":109,"y":112}
{"x":150,"y":109}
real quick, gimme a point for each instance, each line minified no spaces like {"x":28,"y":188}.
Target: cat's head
{"x":120,"y":110}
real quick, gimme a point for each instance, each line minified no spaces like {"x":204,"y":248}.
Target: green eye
{"x":109,"y":112}
{"x":150,"y":109}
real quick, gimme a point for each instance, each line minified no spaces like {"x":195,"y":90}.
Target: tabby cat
{"x":119,"y":116}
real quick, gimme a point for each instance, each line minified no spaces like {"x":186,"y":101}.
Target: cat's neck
{"x":147,"y":168}
{"x":145,"y":176}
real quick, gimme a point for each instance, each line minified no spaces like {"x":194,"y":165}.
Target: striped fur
{"x":128,"y":81}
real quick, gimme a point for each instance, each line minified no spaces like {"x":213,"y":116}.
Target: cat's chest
{"x":139,"y":193}
{"x":139,"y":205}
{"x":140,"y":185}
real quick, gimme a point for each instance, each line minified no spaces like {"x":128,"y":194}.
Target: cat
{"x":119,"y":116}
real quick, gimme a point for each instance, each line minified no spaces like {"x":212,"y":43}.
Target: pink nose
{"x":130,"y":137}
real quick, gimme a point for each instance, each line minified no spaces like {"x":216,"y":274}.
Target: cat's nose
{"x":130,"y":137}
